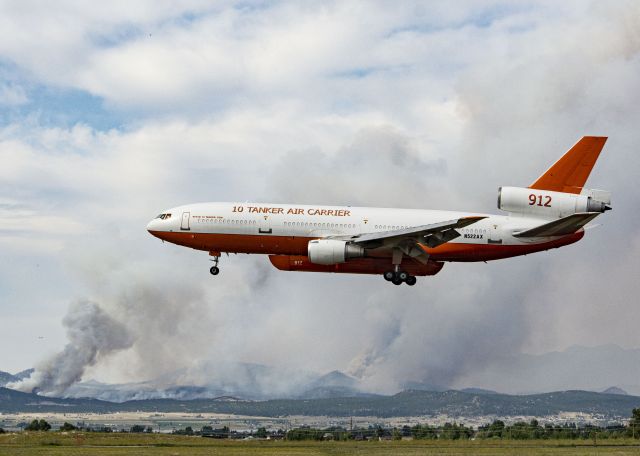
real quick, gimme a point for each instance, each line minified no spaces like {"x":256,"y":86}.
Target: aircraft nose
{"x":152,"y":226}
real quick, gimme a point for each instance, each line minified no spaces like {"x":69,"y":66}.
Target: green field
{"x":40,"y":443}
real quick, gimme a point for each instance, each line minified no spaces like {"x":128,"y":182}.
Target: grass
{"x":55,"y":443}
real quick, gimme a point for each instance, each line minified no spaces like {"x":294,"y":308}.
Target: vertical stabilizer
{"x":570,"y":173}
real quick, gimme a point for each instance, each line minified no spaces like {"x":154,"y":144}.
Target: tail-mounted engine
{"x":331,"y":251}
{"x":528,"y":201}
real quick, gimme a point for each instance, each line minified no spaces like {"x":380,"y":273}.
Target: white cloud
{"x":12,"y":95}
{"x":425,"y":105}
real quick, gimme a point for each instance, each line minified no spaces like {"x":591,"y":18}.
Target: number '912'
{"x":537,"y":200}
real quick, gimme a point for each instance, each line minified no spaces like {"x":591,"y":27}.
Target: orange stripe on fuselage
{"x":293,"y":245}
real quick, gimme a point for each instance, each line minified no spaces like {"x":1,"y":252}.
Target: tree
{"x":496,"y":429}
{"x":304,"y":433}
{"x":36,"y":425}
{"x":423,"y":432}
{"x":66,"y":427}
{"x":137,"y":428}
{"x":261,"y":433}
{"x":188,"y":430}
{"x":2,"y":431}
{"x":634,"y":423}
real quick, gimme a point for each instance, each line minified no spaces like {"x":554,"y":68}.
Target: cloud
{"x":427,"y":106}
{"x":12,"y":95}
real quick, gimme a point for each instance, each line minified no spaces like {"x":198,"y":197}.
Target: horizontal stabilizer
{"x":560,"y":227}
{"x":570,"y":173}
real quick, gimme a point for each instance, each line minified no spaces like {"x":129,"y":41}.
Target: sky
{"x":111,"y":113}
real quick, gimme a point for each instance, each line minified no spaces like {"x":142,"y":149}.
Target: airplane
{"x":399,"y":244}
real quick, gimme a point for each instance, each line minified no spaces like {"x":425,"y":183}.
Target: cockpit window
{"x":164,"y":216}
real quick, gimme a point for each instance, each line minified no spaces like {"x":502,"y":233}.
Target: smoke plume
{"x":92,"y":334}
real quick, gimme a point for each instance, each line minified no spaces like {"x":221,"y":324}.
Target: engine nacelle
{"x":331,"y":251}
{"x":528,"y":201}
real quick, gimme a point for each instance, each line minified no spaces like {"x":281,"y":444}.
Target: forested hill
{"x":406,"y":403}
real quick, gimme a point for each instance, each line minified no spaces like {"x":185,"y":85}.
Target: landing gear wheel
{"x":411,"y":281}
{"x":396,"y":282}
{"x":403,"y":276}
{"x":215,"y":270}
{"x":389,"y":276}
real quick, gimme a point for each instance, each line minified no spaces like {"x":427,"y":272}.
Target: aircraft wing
{"x":430,"y":235}
{"x":560,"y":227}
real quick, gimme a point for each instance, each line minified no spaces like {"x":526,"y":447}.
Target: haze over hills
{"x":211,"y":380}
{"x":406,"y":403}
{"x":604,"y":368}
{"x":6,"y":377}
{"x":252,"y":389}
{"x":586,"y":368}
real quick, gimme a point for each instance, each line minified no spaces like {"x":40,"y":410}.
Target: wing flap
{"x":560,"y":227}
{"x":432,"y":235}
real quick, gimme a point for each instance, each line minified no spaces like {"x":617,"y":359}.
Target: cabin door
{"x":185,"y":221}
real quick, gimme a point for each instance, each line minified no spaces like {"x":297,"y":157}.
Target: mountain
{"x":423,"y":386}
{"x":577,"y":367}
{"x":480,"y":391}
{"x":207,"y":380}
{"x":583,"y":368}
{"x":615,"y":390}
{"x":16,"y":401}
{"x":333,"y":384}
{"x":6,"y":377}
{"x":24,"y":374}
{"x":245,"y":380}
{"x":456,"y":404}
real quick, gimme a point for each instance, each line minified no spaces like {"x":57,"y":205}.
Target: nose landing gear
{"x":215,"y":270}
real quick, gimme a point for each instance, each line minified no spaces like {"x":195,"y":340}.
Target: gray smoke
{"x":447,"y":326}
{"x":93,"y":335}
{"x":463,"y":110}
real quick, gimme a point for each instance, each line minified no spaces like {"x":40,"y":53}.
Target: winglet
{"x":570,"y":173}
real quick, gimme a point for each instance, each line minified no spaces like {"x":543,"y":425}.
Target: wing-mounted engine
{"x":332,"y":251}
{"x":549,"y":204}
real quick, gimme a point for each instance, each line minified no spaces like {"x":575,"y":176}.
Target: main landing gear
{"x":399,"y":277}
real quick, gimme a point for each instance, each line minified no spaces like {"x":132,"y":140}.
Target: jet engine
{"x":528,"y":201}
{"x":331,"y":251}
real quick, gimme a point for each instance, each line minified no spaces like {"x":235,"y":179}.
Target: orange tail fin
{"x":570,"y":173}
